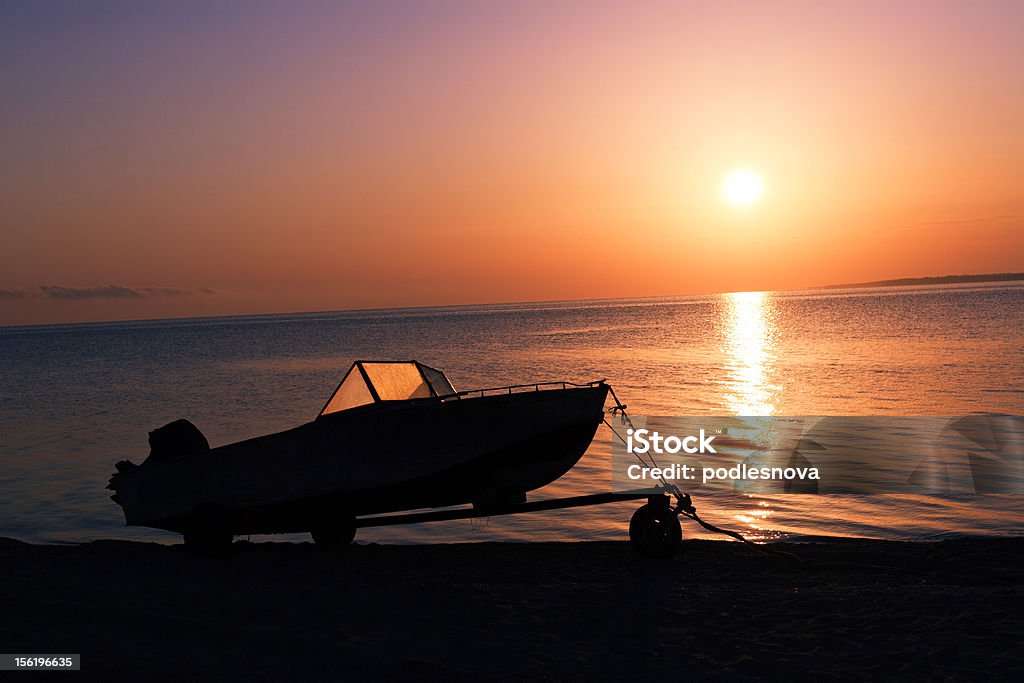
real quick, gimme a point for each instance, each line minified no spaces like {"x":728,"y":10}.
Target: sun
{"x":742,"y":187}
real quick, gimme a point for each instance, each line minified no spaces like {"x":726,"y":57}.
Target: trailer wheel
{"x":654,"y":531}
{"x":208,"y":531}
{"x":335,"y":534}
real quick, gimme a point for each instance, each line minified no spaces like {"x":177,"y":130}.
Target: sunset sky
{"x":176,"y":158}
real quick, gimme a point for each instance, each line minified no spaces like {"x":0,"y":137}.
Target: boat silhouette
{"x":394,"y":436}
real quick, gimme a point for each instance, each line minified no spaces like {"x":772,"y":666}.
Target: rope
{"x":684,"y":506}
{"x":739,"y":537}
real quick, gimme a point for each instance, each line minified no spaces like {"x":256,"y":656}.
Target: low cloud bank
{"x":100,"y":292}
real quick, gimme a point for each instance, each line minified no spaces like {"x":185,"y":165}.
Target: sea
{"x":78,"y":398}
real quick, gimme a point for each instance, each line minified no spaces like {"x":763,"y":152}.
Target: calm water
{"x":78,"y":398}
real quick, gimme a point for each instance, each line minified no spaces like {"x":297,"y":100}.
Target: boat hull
{"x":377,"y":459}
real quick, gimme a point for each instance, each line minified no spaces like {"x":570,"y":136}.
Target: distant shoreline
{"x":935,"y":280}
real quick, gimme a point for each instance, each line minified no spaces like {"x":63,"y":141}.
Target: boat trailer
{"x":654,"y":530}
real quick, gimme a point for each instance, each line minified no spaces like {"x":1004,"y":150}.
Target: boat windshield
{"x":373,"y":381}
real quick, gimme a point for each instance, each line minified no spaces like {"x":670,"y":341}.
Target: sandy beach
{"x":273,"y":611}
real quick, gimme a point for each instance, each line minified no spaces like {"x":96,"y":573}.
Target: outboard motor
{"x":180,"y":437}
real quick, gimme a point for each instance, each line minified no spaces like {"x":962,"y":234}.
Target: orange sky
{"x":223,"y":159}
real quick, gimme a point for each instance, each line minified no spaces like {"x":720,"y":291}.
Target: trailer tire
{"x":208,"y":531}
{"x":335,"y":534}
{"x":654,"y":531}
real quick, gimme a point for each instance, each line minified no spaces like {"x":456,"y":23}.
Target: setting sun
{"x":743,"y":187}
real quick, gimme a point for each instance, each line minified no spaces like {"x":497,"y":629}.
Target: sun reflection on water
{"x":749,"y":353}
{"x":754,"y":521}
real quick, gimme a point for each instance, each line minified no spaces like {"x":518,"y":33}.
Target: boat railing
{"x":518,"y":388}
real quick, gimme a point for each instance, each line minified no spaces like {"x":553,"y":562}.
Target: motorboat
{"x":394,"y":436}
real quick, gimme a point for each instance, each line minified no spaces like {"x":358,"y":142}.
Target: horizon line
{"x":818,"y":289}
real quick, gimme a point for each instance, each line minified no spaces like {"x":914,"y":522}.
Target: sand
{"x":494,"y":611}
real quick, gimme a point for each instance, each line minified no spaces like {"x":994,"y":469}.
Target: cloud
{"x":113,"y":292}
{"x":99,"y":292}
